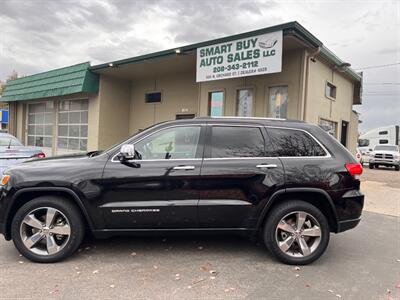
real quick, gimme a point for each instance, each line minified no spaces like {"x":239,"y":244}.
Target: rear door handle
{"x":184,"y":168}
{"x":270,"y":166}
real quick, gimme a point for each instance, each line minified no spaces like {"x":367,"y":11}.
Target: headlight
{"x":4,"y":180}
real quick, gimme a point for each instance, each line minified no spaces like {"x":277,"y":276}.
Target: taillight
{"x":40,"y":155}
{"x":354,"y":169}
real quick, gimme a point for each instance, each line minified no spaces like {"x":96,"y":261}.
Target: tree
{"x":12,"y":76}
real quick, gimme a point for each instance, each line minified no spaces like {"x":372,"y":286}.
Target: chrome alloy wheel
{"x":45,"y":231}
{"x":298,"y":234}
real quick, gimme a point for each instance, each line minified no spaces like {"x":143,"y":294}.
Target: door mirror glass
{"x":127,"y":151}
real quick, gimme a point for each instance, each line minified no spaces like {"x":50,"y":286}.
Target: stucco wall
{"x":290,"y":76}
{"x":114,"y":103}
{"x":353,"y":132}
{"x":181,"y":93}
{"x":337,"y":110}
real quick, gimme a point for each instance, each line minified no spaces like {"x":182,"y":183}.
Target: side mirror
{"x":371,"y":149}
{"x":127,"y":152}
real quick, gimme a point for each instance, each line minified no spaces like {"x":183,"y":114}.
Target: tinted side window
{"x":288,"y":142}
{"x":236,"y":142}
{"x":171,"y":143}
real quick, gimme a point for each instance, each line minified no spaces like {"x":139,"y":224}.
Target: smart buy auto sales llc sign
{"x":255,"y":55}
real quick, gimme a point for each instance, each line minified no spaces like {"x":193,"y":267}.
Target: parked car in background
{"x":12,"y":151}
{"x":288,"y":182}
{"x":385,"y":155}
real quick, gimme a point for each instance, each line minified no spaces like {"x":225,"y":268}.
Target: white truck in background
{"x":387,"y":135}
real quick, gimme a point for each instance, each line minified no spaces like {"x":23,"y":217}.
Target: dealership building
{"x":278,"y":72}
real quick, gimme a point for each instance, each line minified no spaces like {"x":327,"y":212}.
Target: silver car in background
{"x":12,"y":151}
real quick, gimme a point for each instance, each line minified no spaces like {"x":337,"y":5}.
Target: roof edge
{"x":44,"y":72}
{"x":287,"y":28}
{"x":284,"y":27}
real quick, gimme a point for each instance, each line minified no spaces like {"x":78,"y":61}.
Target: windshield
{"x":5,"y":141}
{"x":363,"y":142}
{"x":386,"y":148}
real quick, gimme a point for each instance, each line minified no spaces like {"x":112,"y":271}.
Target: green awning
{"x":60,"y":82}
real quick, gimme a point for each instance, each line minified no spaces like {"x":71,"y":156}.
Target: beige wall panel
{"x":20,"y":121}
{"x":353,"y":132}
{"x":318,"y":105}
{"x":93,"y":123}
{"x":114,"y":104}
{"x":179,"y":96}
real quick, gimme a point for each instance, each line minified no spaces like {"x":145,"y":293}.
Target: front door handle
{"x":184,"y":168}
{"x":270,"y":166}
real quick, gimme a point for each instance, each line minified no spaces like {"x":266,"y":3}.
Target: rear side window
{"x":237,"y":141}
{"x":289,"y":142}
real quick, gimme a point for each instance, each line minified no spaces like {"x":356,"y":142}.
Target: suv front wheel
{"x":296,"y":232}
{"x":47,"y":229}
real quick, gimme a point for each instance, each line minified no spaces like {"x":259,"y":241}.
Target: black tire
{"x":279,"y":212}
{"x":397,"y":168}
{"x":371,"y":166}
{"x":74,"y":218}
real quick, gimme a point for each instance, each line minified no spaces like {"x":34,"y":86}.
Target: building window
{"x":329,"y":126}
{"x":154,"y":97}
{"x":330,"y":90}
{"x":278,"y":101}
{"x":216,"y":104}
{"x":244,"y":103}
{"x":40,"y":124}
{"x":363,"y":143}
{"x":184,"y":116}
{"x":72,"y":125}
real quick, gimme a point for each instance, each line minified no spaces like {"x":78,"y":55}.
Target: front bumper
{"x":380,"y":161}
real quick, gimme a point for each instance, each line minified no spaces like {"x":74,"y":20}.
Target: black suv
{"x":288,"y":181}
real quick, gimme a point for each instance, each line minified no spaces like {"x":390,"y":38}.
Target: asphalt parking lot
{"x":363,"y":263}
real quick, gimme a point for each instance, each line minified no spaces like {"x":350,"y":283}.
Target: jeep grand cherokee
{"x":287,"y":181}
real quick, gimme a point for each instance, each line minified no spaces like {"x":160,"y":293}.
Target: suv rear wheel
{"x":47,"y":229}
{"x":296,"y":232}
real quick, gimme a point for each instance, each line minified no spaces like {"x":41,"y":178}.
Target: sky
{"x":39,"y":35}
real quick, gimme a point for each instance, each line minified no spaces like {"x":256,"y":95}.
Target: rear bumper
{"x":3,"y":231}
{"x":348,"y":224}
{"x":349,"y":208}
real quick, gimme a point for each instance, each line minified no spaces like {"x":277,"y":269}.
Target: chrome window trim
{"x":327,"y":153}
{"x":150,"y":134}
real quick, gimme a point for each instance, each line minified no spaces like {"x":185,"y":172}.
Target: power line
{"x":377,"y":66}
{"x":381,"y":83}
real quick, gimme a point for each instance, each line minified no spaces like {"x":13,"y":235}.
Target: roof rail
{"x":236,"y":117}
